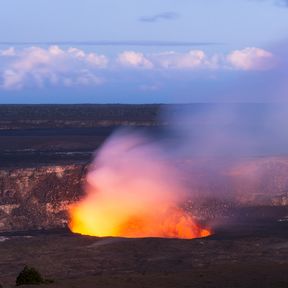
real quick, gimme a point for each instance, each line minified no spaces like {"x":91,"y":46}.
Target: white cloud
{"x":134,"y":59}
{"x":8,"y":52}
{"x":11,"y":79}
{"x":246,"y":59}
{"x":192,"y":60}
{"x":52,"y":66}
{"x":99,"y":61}
{"x":85,"y":78}
{"x":251,"y":59}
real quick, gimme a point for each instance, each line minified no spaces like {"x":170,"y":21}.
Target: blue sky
{"x":43,"y":57}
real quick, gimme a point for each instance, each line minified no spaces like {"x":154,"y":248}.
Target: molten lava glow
{"x":102,"y":222}
{"x":132,"y":192}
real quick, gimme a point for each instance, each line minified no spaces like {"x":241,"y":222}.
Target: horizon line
{"x":110,"y":43}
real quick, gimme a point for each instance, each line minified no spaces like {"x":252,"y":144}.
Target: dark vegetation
{"x":30,"y":276}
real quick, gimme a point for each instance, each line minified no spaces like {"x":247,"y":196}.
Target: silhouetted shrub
{"x":28,"y":276}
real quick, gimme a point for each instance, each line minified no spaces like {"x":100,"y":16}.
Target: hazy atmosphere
{"x":144,"y":143}
{"x":138,"y":52}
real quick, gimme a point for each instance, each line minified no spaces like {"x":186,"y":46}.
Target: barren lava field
{"x":242,"y":255}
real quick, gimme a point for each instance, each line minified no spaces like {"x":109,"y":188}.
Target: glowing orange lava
{"x":133,"y":191}
{"x":173,"y":223}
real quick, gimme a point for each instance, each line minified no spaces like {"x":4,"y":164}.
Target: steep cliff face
{"x":34,"y":198}
{"x":263,"y":181}
{"x":38,"y":197}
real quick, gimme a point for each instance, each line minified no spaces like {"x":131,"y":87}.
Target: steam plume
{"x":134,"y":191}
{"x":138,"y":187}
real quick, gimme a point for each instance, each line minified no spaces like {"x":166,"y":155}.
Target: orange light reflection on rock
{"x":133,"y":190}
{"x":174,"y":223}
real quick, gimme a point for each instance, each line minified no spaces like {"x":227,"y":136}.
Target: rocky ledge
{"x":37,"y":198}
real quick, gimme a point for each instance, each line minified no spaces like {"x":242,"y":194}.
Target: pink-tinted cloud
{"x":134,"y":59}
{"x":38,"y":66}
{"x":54,"y":66}
{"x":251,"y":59}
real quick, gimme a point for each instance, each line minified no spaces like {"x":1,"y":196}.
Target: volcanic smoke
{"x":134,"y":187}
{"x":133,"y":190}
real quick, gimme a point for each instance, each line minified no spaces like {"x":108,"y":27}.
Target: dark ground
{"x":22,"y":147}
{"x":65,"y":134}
{"x":241,"y":255}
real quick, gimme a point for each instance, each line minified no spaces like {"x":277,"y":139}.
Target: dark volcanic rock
{"x":34,"y":198}
{"x":243,"y":256}
{"x":38,"y":197}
